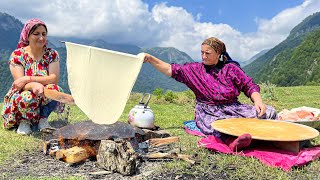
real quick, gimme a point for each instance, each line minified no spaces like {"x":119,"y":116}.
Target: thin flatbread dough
{"x":101,"y":80}
{"x":268,"y":130}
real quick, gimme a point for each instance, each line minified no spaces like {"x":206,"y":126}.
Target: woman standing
{"x":34,"y":67}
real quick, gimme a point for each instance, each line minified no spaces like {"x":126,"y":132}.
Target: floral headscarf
{"x":216,"y":44}
{"x":23,"y":41}
{"x":220,"y":48}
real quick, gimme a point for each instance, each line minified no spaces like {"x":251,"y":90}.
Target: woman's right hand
{"x":147,"y":57}
{"x":37,"y":88}
{"x":20,"y":82}
{"x":160,"y":65}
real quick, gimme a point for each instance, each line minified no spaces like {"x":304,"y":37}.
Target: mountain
{"x":149,"y":78}
{"x":57,"y":42}
{"x":10,"y":29}
{"x":295,"y":61}
{"x":253,"y":58}
{"x":5,"y":79}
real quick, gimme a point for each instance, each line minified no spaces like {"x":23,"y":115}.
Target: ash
{"x":35,"y":164}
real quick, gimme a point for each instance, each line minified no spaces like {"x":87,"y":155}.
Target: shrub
{"x":158,"y":93}
{"x":170,"y":96}
{"x":268,"y":91}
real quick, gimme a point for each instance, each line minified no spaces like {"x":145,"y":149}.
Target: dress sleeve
{"x":54,"y":56}
{"x":242,"y":81}
{"x":16,"y":58}
{"x":180,"y":72}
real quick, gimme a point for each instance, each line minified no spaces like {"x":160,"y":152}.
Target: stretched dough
{"x":101,"y":80}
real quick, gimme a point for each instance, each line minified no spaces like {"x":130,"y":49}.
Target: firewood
{"x":100,"y":172}
{"x":45,"y":147}
{"x":117,"y":157}
{"x":158,"y":155}
{"x":148,"y":134}
{"x":162,"y":141}
{"x":60,"y":154}
{"x":72,"y":155}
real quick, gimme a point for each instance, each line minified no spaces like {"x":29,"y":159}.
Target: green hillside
{"x":10,"y":29}
{"x":149,"y":78}
{"x":295,"y":61}
{"x":293,"y":66}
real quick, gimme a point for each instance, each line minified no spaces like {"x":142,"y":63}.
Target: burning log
{"x":117,"y":157}
{"x":116,"y":147}
{"x":72,"y":155}
{"x":162,"y":141}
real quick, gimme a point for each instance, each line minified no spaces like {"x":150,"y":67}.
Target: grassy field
{"x":170,"y":113}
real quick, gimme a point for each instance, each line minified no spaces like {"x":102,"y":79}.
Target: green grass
{"x":170,"y":116}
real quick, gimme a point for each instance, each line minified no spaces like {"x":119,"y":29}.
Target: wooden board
{"x":268,"y":130}
{"x":59,"y":96}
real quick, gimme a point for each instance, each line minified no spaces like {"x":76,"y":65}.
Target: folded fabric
{"x":268,"y":155}
{"x":191,"y":128}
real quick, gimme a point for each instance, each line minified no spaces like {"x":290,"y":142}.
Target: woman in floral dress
{"x":34,"y":67}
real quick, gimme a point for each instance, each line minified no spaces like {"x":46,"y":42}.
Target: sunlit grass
{"x":170,"y":117}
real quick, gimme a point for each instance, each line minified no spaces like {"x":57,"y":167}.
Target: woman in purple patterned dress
{"x":217,"y":82}
{"x":34,"y":67}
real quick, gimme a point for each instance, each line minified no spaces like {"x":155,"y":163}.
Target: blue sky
{"x":240,"y":14}
{"x":246,"y":26}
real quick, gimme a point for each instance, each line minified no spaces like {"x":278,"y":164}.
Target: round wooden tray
{"x":268,"y":130}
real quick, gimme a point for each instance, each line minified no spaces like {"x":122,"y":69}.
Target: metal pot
{"x":141,"y":115}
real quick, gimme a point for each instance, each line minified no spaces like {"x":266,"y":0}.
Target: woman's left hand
{"x":37,"y":88}
{"x":260,"y":107}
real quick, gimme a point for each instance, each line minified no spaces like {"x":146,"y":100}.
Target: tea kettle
{"x":141,"y":115}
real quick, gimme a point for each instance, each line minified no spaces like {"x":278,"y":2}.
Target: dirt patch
{"x":35,"y":164}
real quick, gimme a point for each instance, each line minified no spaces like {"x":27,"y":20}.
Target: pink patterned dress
{"x":23,"y":104}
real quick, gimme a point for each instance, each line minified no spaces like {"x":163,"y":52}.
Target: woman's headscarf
{"x":216,"y":44}
{"x":23,"y":41}
{"x":220,"y":48}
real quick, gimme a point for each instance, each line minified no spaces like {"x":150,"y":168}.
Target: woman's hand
{"x":160,"y":65}
{"x":147,"y":57}
{"x":37,"y":88}
{"x":260,"y":107}
{"x":20,"y":82}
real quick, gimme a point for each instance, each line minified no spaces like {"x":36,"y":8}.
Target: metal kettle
{"x":141,"y":115}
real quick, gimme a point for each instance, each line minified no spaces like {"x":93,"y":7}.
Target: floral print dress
{"x":24,"y":104}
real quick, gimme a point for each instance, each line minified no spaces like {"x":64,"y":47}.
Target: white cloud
{"x":273,"y":31}
{"x":123,"y":21}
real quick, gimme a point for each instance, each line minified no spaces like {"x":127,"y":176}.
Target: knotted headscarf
{"x":220,"y":48}
{"x":23,"y":41}
{"x":216,"y":44}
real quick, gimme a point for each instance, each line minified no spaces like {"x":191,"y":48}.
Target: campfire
{"x":116,"y":147}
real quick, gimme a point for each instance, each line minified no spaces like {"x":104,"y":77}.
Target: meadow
{"x":171,"y":109}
